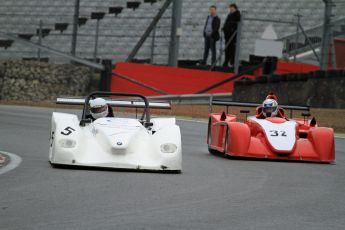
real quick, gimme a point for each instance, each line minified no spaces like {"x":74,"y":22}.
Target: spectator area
{"x":125,"y":21}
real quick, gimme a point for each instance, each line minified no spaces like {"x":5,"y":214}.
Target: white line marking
{"x":190,"y":120}
{"x":339,"y":135}
{"x":14,"y":162}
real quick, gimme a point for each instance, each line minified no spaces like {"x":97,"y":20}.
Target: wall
{"x":318,"y":90}
{"x":34,"y":81}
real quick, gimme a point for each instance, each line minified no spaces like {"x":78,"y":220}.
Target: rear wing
{"x":116,"y":103}
{"x":254,"y":105}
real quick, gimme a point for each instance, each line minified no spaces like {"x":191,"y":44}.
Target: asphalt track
{"x":211,"y":193}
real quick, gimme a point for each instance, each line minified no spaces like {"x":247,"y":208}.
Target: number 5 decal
{"x":67,"y":131}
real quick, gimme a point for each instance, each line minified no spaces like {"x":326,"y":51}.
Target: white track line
{"x":339,"y":136}
{"x":14,"y":162}
{"x":190,"y":120}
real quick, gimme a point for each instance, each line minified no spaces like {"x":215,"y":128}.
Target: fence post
{"x":238,"y":45}
{"x":39,"y":40}
{"x":106,"y":75}
{"x":327,"y":34}
{"x":297,"y":36}
{"x":175,"y":32}
{"x":153,"y":44}
{"x":96,"y":42}
{"x":75,"y":27}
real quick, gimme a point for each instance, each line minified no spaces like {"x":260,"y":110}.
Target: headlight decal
{"x":168,"y":148}
{"x":67,"y":143}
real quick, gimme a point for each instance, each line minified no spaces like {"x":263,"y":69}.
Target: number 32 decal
{"x":276,"y":133}
{"x":67,"y":131}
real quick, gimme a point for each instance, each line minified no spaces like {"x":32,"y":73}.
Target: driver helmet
{"x":98,"y":108}
{"x":270,"y":108}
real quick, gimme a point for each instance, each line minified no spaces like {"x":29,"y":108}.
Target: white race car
{"x":114,"y":142}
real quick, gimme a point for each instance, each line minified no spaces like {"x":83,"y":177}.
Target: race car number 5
{"x":276,"y":133}
{"x":67,"y":131}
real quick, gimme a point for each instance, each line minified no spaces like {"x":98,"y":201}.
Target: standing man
{"x":229,"y":28}
{"x":211,"y":34}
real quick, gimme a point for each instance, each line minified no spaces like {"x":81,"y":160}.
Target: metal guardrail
{"x":314,"y":34}
{"x":315,"y":29}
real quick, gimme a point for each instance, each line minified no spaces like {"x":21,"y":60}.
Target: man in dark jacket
{"x":211,"y":34}
{"x":229,"y":28}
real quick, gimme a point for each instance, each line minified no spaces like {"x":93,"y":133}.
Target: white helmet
{"x":98,"y":108}
{"x":270,"y":108}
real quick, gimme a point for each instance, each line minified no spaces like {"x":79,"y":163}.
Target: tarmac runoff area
{"x":211,"y":192}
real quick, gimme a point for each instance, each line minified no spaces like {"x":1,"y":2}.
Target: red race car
{"x":264,"y":136}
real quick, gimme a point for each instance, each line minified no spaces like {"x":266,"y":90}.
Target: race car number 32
{"x":276,"y":133}
{"x":67,"y":131}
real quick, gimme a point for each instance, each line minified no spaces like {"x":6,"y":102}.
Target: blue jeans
{"x":210,"y":43}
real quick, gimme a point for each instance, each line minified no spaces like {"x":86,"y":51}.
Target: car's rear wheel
{"x":209,"y":138}
{"x":213,"y":151}
{"x":226,"y":144}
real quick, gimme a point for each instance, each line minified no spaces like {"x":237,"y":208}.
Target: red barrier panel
{"x":340,"y":51}
{"x":291,"y":67}
{"x":180,"y":80}
{"x":169,"y":79}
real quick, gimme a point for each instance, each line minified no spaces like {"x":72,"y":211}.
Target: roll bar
{"x":93,"y":95}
